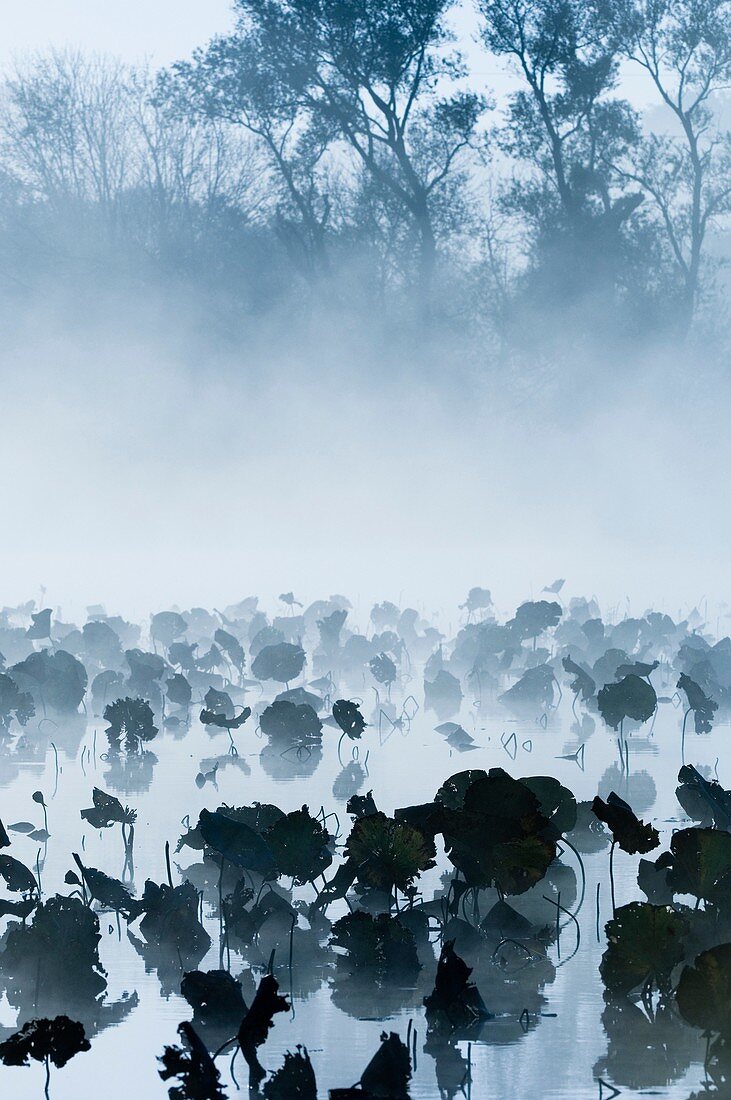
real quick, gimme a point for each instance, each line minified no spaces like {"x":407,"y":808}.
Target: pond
{"x":551,"y":1033}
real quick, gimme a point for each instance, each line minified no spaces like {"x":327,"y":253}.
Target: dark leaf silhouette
{"x":348,"y":717}
{"x":556,"y":802}
{"x":703,"y":800}
{"x":383,"y":669}
{"x":170,"y":918}
{"x":209,"y":718}
{"x":107,"y":811}
{"x":644,"y":944}
{"x":452,"y":791}
{"x":282,"y":662}
{"x":455,"y":1003}
{"x":582,"y":684}
{"x":299,"y":844}
{"x":701,"y":864}
{"x":361,"y":805}
{"x":61,"y":943}
{"x":237,"y":842}
{"x":631,"y":834}
{"x":257,"y":1023}
{"x":702,"y":705}
{"x":388,"y":854}
{"x":16,"y":875}
{"x":194,"y":1068}
{"x":703,"y":994}
{"x":214,"y":995}
{"x":109,"y":892}
{"x":290,"y":721}
{"x":633,"y":697}
{"x":295,"y":1080}
{"x":389,"y":1071}
{"x":132,"y":719}
{"x":380,"y":945}
{"x":499,"y":835}
{"x":55,"y":1041}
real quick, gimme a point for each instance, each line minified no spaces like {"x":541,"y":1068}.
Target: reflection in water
{"x":534,"y":954}
{"x":646,"y":1050}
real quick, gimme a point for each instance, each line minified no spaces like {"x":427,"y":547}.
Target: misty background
{"x":388,"y":323}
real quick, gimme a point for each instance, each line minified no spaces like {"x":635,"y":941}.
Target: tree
{"x":191,"y":173}
{"x":96,"y":170}
{"x":367,"y":74}
{"x":684,"y":46}
{"x":568,"y":128}
{"x":67,"y":122}
{"x":235,"y":81}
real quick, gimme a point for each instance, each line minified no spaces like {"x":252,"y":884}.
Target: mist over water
{"x":146,"y":464}
{"x":364,"y":618}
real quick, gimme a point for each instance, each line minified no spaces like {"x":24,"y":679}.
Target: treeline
{"x":338,"y":152}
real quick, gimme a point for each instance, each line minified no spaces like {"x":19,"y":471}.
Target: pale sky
{"x":162,"y":31}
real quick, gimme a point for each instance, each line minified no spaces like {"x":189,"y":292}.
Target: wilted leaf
{"x":644,"y":943}
{"x":107,"y":811}
{"x":57,"y":1041}
{"x":348,"y":717}
{"x":299,"y":845}
{"x":295,"y":1080}
{"x":702,"y":705}
{"x":194,"y":1068}
{"x":632,"y":698}
{"x":703,"y":995}
{"x":455,"y":1003}
{"x":701,"y":864}
{"x":257,"y":1024}
{"x":17,"y":877}
{"x":628,"y":831}
{"x":388,"y":854}
{"x":236,"y":842}
{"x":282,"y":662}
{"x":208,"y":718}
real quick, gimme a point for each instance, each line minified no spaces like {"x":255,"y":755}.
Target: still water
{"x":561,"y":1049}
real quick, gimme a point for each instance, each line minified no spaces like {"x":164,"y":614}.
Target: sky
{"x":163,"y":31}
{"x":539,"y":504}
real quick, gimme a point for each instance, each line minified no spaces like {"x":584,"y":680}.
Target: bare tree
{"x":684,"y":47}
{"x":67,"y":129}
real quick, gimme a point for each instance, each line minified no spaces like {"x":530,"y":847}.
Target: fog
{"x":141,"y":473}
{"x":161,"y":29}
{"x":501,"y":393}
